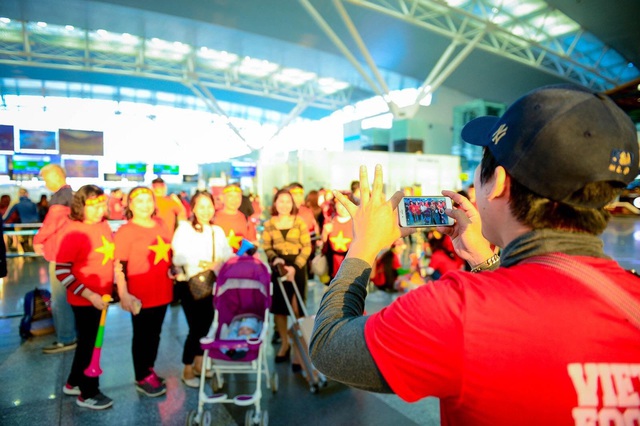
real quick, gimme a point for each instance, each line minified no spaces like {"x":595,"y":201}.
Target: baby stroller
{"x":243,"y":290}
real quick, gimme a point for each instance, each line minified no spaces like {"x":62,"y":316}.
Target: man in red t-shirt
{"x":515,"y":341}
{"x":115,"y":205}
{"x":170,"y":208}
{"x":297,"y":192}
{"x":233,"y":221}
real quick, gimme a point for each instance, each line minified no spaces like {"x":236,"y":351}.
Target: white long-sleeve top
{"x":190,"y":247}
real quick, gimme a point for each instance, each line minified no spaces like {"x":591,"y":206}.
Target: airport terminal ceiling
{"x":403,"y":39}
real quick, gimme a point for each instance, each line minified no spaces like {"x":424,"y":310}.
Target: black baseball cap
{"x":556,"y":139}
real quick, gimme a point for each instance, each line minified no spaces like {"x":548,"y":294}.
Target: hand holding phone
{"x":425,"y":211}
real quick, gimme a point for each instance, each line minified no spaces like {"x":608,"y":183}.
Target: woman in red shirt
{"x":84,"y":265}
{"x":143,"y":249}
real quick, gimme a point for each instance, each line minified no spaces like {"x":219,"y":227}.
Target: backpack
{"x":37,"y":319}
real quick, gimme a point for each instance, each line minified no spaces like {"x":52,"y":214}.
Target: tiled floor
{"x":31,"y":382}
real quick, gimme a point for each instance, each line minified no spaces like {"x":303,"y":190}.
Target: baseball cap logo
{"x":499,"y":134}
{"x":620,"y":162}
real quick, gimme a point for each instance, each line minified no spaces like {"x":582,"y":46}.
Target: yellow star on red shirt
{"x":106,"y":249}
{"x":234,"y":240}
{"x":340,"y":242}
{"x":161,"y":250}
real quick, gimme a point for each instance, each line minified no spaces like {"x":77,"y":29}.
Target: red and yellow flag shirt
{"x":339,"y":240}
{"x":147,"y":252}
{"x":85,"y":260}
{"x":236,"y":227}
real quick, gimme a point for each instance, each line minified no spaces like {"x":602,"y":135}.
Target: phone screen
{"x":421,"y":212}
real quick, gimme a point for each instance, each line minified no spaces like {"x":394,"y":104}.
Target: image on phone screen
{"x":420,"y":212}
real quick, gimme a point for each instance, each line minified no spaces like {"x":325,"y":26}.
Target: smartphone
{"x":424,"y":212}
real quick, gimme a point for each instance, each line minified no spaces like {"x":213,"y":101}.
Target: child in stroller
{"x":235,"y":343}
{"x":242,"y":327}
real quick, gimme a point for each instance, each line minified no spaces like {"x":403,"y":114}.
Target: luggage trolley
{"x":300,"y":332}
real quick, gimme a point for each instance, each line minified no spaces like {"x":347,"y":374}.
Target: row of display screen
{"x":68,"y":141}
{"x":30,"y":164}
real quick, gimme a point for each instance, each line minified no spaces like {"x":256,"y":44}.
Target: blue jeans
{"x":63,"y":318}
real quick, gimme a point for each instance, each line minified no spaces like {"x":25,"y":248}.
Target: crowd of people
{"x":161,"y":242}
{"x":137,"y":265}
{"x":514,"y":329}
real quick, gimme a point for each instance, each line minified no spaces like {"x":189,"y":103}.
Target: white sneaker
{"x":98,"y":402}
{"x":71,"y":390}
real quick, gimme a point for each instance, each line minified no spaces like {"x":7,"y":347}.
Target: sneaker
{"x":151,"y":386}
{"x":98,"y":402}
{"x":57,"y":347}
{"x":71,"y":390}
{"x":161,"y":379}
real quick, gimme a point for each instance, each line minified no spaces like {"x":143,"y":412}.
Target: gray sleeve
{"x":338,"y":348}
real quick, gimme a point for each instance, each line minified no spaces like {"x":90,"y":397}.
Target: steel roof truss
{"x":552,"y":54}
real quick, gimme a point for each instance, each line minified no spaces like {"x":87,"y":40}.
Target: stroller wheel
{"x":191,"y":418}
{"x":248,"y":418}
{"x":264,"y":421}
{"x":205,"y":420}
{"x":274,"y":383}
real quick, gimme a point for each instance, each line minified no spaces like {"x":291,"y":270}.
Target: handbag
{"x":320,"y":265}
{"x":201,"y":284}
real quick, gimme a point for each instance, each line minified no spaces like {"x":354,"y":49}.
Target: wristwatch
{"x":488,"y":265}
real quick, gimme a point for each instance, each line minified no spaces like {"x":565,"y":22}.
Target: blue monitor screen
{"x":6,"y":138}
{"x":39,"y":140}
{"x":31,"y":164}
{"x":131,"y":168}
{"x":4,"y":164}
{"x":81,"y":168}
{"x":166,"y":169}
{"x":243,"y":169}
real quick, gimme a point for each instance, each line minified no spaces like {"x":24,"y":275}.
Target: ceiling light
{"x":257,"y":67}
{"x":69,"y":27}
{"x":41,"y":24}
{"x":5,"y":20}
{"x":329,"y":85}
{"x":456,"y":3}
{"x":293,"y":76}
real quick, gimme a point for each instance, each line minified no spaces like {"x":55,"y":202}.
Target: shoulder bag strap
{"x":213,"y":240}
{"x":594,"y":280}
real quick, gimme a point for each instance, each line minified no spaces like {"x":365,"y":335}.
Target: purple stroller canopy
{"x":243,"y":286}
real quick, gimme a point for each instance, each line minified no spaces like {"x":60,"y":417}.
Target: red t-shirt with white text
{"x":523,"y":345}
